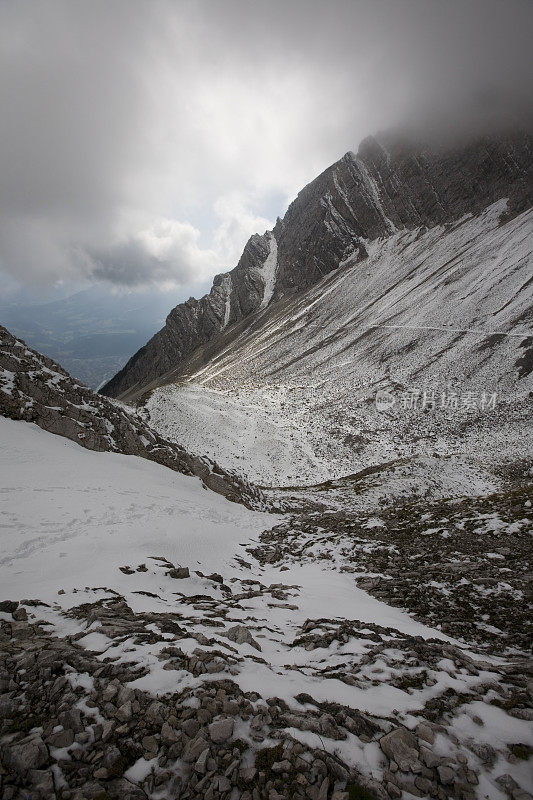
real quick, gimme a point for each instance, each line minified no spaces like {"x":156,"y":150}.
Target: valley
{"x":286,"y":551}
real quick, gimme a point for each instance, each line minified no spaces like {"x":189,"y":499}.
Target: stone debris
{"x":76,"y":740}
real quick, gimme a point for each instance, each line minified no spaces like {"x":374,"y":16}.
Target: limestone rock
{"x":241,"y":635}
{"x":221,"y":730}
{"x":401,"y":746}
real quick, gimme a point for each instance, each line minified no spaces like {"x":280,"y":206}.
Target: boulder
{"x":400,"y":745}
{"x":31,"y":753}
{"x":241,"y":635}
{"x":221,"y":730}
{"x":179,"y":573}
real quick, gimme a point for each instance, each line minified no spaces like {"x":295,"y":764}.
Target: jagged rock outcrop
{"x":392,"y":183}
{"x":36,"y":389}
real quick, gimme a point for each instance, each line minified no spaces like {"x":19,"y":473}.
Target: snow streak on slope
{"x":227,"y":286}
{"x":269,"y":271}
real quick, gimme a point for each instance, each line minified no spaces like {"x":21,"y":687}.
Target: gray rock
{"x":190,"y":727}
{"x":155,"y":713}
{"x":201,"y":763}
{"x":125,"y":712}
{"x":429,"y":758}
{"x":125,"y":694}
{"x":423,"y":784}
{"x":518,"y":713}
{"x":179,"y":573}
{"x":28,"y":754}
{"x":194,"y":749}
{"x":112,"y":756}
{"x":446,"y":774}
{"x":71,"y":719}
{"x":42,"y":781}
{"x":150,"y":744}
{"x":168,"y":734}
{"x":424,"y":732}
{"x":7,"y":705}
{"x":241,"y":635}
{"x":400,"y":745}
{"x":281,"y":766}
{"x":107,"y":730}
{"x":8,"y":606}
{"x":511,"y":787}
{"x":62,"y":738}
{"x":484,"y":751}
{"x":223,"y":785}
{"x":101,"y":774}
{"x":221,"y":730}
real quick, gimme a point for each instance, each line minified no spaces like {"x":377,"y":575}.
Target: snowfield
{"x":88,"y":532}
{"x":71,"y":516}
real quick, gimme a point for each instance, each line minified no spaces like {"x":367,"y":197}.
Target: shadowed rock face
{"x":36,"y":389}
{"x":390,"y":184}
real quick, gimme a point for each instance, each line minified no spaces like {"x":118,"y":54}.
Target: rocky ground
{"x":369,"y":642}
{"x":75,"y":724}
{"x":462,"y":565}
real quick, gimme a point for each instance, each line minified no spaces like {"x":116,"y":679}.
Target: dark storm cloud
{"x":139,"y":141}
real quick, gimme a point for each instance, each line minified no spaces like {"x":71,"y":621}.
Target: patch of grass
{"x":521,"y":751}
{"x":265,"y":758}
{"x":240,"y":744}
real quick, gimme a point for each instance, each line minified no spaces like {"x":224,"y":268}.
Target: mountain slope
{"x":36,"y":389}
{"x":390,"y":185}
{"x":371,"y":642}
{"x":290,"y":398}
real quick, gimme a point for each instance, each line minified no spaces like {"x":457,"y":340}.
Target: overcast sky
{"x":141,"y":143}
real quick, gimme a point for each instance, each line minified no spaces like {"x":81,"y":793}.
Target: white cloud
{"x":237,"y":223}
{"x":142,"y":141}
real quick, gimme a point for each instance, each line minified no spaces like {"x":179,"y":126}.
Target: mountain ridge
{"x":389,"y":185}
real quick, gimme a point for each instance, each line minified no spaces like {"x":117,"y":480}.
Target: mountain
{"x":391,"y":185}
{"x":93,"y":332}
{"x":369,"y":364}
{"x":440,"y":320}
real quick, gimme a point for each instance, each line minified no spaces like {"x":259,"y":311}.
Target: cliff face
{"x":390,"y":184}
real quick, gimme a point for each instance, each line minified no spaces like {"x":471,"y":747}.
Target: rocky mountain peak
{"x":392,"y":183}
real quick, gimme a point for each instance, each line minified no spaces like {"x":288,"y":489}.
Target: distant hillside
{"x":91,"y":333}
